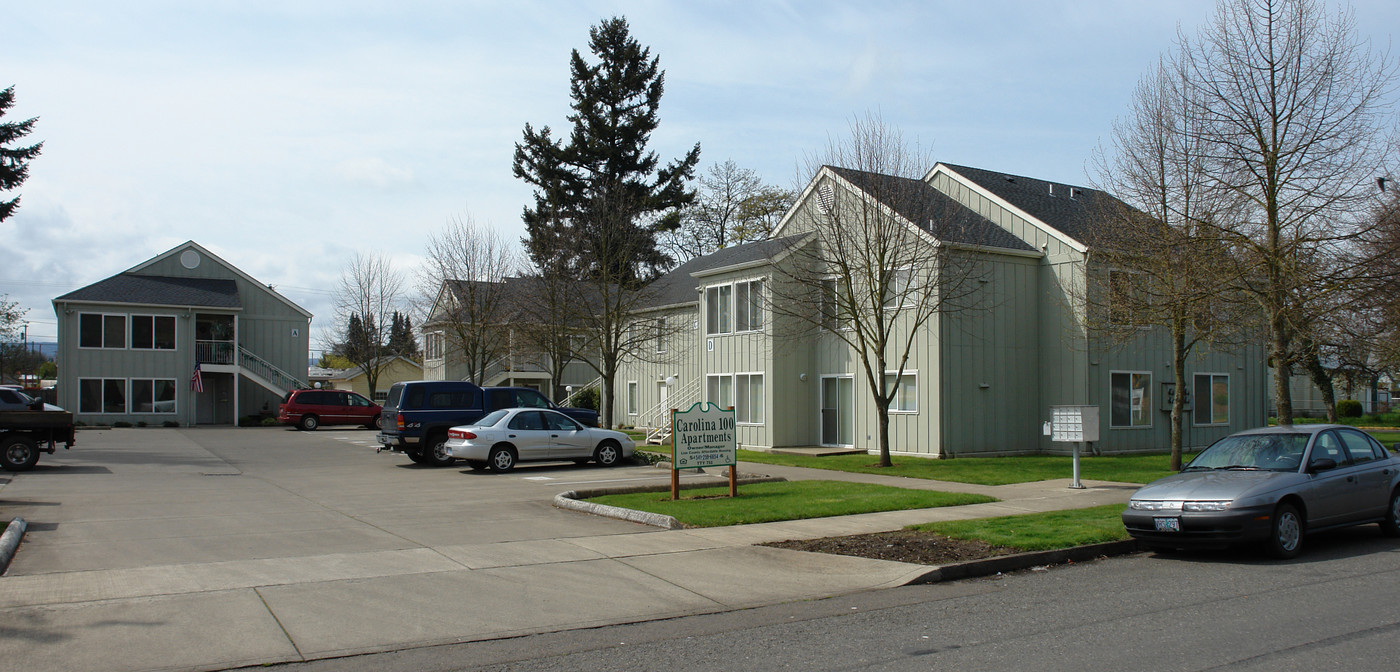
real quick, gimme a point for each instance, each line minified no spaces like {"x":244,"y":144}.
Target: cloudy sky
{"x":287,"y":136}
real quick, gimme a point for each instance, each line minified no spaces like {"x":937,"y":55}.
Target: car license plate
{"x":1167,"y":524}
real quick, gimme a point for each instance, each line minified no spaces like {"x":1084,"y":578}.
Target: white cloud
{"x":373,"y":172}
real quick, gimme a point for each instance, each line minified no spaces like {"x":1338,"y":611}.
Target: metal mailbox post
{"x":1074,"y":424}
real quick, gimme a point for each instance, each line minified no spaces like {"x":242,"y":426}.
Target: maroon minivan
{"x":309,"y":409}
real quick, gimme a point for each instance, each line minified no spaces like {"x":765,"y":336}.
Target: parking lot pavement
{"x":212,"y":548}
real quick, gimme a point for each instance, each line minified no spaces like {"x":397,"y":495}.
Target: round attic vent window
{"x":189,"y":259}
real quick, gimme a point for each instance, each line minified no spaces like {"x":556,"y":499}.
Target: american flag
{"x":197,"y":380}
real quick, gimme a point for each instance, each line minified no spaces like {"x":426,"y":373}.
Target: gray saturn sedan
{"x":1272,"y":485}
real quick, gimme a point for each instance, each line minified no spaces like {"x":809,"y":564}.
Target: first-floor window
{"x":102,"y":395}
{"x":905,"y":397}
{"x":719,"y":390}
{"x":1212,"y":402}
{"x":1131,"y":399}
{"x":632,"y":401}
{"x":152,"y":396}
{"x":748,"y":398}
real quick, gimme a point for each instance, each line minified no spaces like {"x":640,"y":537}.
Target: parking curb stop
{"x":9,"y":541}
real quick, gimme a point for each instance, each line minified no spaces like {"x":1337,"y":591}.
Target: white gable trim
{"x":191,"y":245}
{"x":1042,"y":226}
{"x":836,"y":178}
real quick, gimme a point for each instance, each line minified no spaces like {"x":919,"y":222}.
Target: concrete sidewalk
{"x":210,"y":614}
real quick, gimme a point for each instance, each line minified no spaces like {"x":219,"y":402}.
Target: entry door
{"x":838,"y":411}
{"x":663,"y":412}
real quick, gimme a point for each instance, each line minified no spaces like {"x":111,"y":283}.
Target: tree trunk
{"x":1283,"y":398}
{"x":1179,"y":379}
{"x":884,"y":407}
{"x":1319,"y":377}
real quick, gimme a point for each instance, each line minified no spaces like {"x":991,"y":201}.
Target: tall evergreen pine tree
{"x":14,"y":161}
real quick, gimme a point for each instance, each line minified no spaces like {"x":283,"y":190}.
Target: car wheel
{"x":18,"y":453}
{"x":1390,"y":527}
{"x":435,"y":453}
{"x":308,"y":423}
{"x":414,"y":455}
{"x":608,"y":453}
{"x":477,"y":465}
{"x":374,"y":424}
{"x":1286,"y":537}
{"x":501,"y":459}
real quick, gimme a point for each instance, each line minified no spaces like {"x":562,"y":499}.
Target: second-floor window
{"x":153,"y":332}
{"x":734,"y":308}
{"x":101,"y":331}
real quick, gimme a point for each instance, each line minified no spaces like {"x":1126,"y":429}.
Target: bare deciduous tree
{"x":371,"y":289}
{"x":464,"y":291}
{"x":1167,"y":267}
{"x":881,"y":257}
{"x":1292,"y":113}
{"x":733,"y":206}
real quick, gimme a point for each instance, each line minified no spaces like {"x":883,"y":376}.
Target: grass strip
{"x":1039,"y":531}
{"x":986,"y":470}
{"x":792,"y":500}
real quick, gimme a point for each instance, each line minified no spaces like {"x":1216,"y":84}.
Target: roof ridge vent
{"x":1052,"y":189}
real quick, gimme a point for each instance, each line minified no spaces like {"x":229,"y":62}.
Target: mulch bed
{"x":924,"y":548}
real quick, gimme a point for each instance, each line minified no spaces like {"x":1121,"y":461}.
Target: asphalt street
{"x":1337,"y":607}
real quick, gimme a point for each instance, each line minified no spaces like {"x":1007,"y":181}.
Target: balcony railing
{"x":214,"y":352}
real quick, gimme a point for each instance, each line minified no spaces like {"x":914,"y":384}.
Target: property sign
{"x":703,"y":436}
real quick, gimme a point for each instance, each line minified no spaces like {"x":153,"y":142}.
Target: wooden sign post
{"x":703,"y":436}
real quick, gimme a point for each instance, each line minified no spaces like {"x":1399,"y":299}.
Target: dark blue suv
{"x":417,"y":414}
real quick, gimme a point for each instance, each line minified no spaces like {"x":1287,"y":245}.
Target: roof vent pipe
{"x":1052,"y":190}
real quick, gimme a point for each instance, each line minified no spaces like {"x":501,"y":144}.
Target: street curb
{"x":571,"y":500}
{"x":9,"y":541}
{"x":1020,"y":561}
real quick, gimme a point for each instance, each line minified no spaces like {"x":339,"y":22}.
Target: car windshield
{"x":490,"y":419}
{"x":1271,"y":452}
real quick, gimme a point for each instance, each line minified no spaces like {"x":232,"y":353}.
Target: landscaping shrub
{"x":1349,"y":408}
{"x":121,"y":423}
{"x":169,"y":423}
{"x":140,"y":423}
{"x":269,"y":422}
{"x":250,"y":421}
{"x":587,"y":399}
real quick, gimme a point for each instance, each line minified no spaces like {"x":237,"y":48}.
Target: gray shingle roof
{"x":678,"y":286}
{"x":159,"y":290}
{"x":1072,"y":210}
{"x":932,"y":210}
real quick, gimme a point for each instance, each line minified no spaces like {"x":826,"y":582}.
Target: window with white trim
{"x":1212,"y":399}
{"x":748,"y":398}
{"x":632,"y":397}
{"x":1126,"y":294}
{"x":734,"y":308}
{"x":833,"y":317}
{"x":661,"y":334}
{"x":152,"y":395}
{"x":152,"y":332}
{"x":97,"y":330}
{"x":719,"y":390}
{"x":897,"y":287}
{"x":102,"y":395}
{"x":433,"y":345}
{"x":904,"y":397}
{"x":1130,"y":399}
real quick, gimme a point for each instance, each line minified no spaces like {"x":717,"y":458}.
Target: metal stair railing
{"x":658,"y":417}
{"x":568,"y":401}
{"x":269,"y":372}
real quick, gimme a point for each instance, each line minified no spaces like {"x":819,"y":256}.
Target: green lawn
{"x":985,"y":470}
{"x":1039,"y":531}
{"x":793,"y":500}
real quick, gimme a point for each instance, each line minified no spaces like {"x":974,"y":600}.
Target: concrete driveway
{"x":212,"y":548}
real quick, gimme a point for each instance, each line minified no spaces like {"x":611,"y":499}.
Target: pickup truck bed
{"x":25,"y":434}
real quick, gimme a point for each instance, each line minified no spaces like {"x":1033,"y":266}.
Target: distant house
{"x":129,"y":346}
{"x":398,"y":369}
{"x":977,"y":383}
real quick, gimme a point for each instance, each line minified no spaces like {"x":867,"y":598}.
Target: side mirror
{"x":1321,"y":464}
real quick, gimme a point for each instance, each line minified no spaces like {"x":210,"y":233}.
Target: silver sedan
{"x":502,"y":438}
{"x":1273,"y":485}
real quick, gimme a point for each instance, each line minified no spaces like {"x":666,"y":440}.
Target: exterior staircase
{"x":657,"y":419}
{"x":264,"y":373}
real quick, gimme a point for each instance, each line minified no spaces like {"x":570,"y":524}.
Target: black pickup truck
{"x":417,"y":414}
{"x":28,"y":427}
